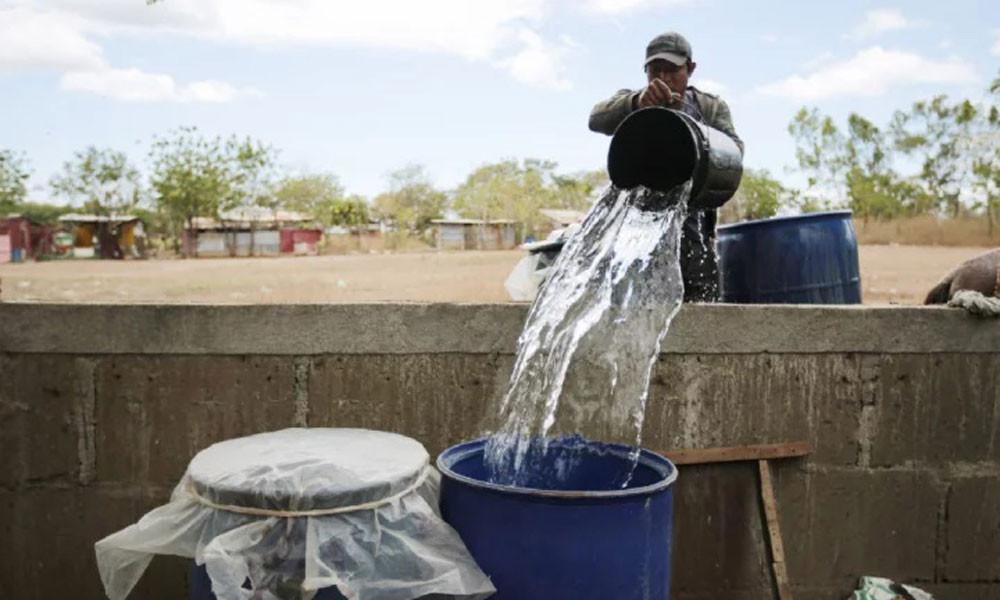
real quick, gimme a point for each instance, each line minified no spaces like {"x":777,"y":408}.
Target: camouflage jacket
{"x":699,"y":260}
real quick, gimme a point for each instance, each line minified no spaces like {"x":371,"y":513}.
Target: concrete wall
{"x":101,"y":407}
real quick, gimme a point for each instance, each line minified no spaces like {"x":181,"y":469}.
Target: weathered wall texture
{"x":102,"y":407}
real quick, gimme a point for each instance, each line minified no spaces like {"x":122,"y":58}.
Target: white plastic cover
{"x":371,"y":528}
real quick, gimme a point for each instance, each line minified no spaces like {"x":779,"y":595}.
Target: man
{"x":668,"y":67}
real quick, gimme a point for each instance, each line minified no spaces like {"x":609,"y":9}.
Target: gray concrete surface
{"x":101,"y":408}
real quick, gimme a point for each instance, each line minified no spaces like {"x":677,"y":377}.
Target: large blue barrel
{"x":583,"y":537}
{"x":806,"y":259}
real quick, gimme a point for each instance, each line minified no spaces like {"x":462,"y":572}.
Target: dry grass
{"x":928,"y":230}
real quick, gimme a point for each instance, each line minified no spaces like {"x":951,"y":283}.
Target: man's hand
{"x":657,"y":93}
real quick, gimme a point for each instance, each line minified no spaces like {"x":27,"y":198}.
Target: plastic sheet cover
{"x":281,"y":515}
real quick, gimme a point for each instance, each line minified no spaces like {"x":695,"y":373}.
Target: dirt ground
{"x":890,"y":274}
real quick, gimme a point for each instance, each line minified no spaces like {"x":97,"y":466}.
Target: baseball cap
{"x":670,"y":46}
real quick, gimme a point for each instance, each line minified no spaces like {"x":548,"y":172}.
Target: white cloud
{"x":478,"y":31}
{"x":880,"y":21}
{"x":711,"y":86}
{"x":995,"y":50}
{"x":538,"y":62}
{"x":615,"y":7}
{"x":32,"y":40}
{"x":818,"y":61}
{"x":769,"y":38}
{"x":473,"y":30}
{"x":945,"y":44}
{"x":871,"y":72}
{"x":133,"y":85}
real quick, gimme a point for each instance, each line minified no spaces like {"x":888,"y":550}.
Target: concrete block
{"x":848,"y":523}
{"x":962,"y":591}
{"x":439,"y":400}
{"x":818,"y":593}
{"x":700,"y":401}
{"x":50,"y":551}
{"x":973,"y":530}
{"x":718,"y":537}
{"x":155,"y":414}
{"x":39,"y":418}
{"x":937,"y":408}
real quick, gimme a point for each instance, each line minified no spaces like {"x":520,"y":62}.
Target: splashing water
{"x":593,"y":333}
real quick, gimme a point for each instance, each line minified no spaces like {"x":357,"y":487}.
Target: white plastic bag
{"x":294,"y":511}
{"x":878,"y":588}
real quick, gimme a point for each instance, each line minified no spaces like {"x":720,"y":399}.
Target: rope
{"x":320,"y":512}
{"x":976,"y":303}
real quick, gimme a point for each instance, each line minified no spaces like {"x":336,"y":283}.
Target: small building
{"x":256,"y":232}
{"x":105,"y":236}
{"x":21,"y":238}
{"x":301,"y":241}
{"x":474,"y":234}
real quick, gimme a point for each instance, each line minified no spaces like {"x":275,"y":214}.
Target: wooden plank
{"x":738,"y":453}
{"x":774,"y":532}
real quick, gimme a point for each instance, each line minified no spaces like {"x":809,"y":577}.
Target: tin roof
{"x":473,"y":221}
{"x":82,"y":218}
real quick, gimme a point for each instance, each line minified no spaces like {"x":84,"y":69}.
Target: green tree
{"x":191,"y":177}
{"x":578,"y":191}
{"x":874,"y":188}
{"x":42,"y":213}
{"x":351,"y":212}
{"x":412,"y":200}
{"x":103,"y":181}
{"x":820,"y":150}
{"x":252,"y":172}
{"x":497,"y":191}
{"x":938,"y":133}
{"x":515,"y":190}
{"x":986,"y":165}
{"x":759,"y":196}
{"x":14,"y":174}
{"x":317,"y":195}
{"x":853,"y":168}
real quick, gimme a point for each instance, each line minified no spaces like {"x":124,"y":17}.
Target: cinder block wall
{"x":101,"y":408}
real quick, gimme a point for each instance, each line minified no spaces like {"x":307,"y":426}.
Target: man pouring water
{"x":668,"y":67}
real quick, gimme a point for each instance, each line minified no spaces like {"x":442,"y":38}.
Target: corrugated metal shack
{"x":114,"y":236}
{"x":244,"y":233}
{"x":301,"y":241}
{"x":474,"y":234}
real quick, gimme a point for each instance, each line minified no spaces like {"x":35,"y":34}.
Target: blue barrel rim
{"x":647,"y":457}
{"x":786,"y":219}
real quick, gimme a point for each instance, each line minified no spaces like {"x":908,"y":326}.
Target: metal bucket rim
{"x":781,"y":220}
{"x":646,"y":457}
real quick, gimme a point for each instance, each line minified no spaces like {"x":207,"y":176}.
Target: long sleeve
{"x":607,"y":115}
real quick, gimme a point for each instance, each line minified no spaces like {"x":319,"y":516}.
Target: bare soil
{"x":890,"y":274}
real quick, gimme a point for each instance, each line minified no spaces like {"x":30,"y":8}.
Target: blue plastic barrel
{"x":583,"y":537}
{"x":806,"y":259}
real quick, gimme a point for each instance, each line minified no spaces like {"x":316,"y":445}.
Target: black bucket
{"x":662,"y":148}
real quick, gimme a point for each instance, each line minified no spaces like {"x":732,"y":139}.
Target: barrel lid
{"x":777,"y":221}
{"x":307,"y":469}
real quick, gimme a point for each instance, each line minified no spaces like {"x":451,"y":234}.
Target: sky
{"x":359,"y":88}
